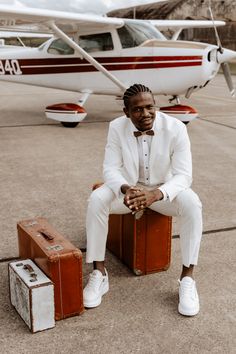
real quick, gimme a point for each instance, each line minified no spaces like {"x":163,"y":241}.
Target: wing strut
{"x":88,"y":57}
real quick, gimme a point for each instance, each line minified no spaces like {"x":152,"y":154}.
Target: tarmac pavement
{"x":48,"y":170}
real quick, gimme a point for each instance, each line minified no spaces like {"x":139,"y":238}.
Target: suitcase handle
{"x":46,"y":235}
{"x":30,"y":269}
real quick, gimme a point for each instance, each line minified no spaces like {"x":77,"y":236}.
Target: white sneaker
{"x":97,"y":286}
{"x":188,"y":297}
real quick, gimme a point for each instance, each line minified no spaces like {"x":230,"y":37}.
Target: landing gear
{"x":179,"y":111}
{"x":175,"y":98}
{"x":70,"y":124}
{"x":69,"y":114}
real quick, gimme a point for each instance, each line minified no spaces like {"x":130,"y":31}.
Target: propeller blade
{"x":228,"y":78}
{"x":216,"y":32}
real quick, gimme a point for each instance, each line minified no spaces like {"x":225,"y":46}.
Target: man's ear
{"x":126,"y":112}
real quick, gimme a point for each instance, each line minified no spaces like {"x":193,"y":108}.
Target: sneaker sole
{"x":98,"y":302}
{"x":188,"y":313}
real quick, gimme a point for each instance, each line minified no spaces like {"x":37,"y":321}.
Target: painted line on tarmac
{"x":213,"y":115}
{"x":55,"y":124}
{"x":83,"y":249}
{"x":216,"y":123}
{"x":27,"y":125}
{"x":15,"y":258}
{"x":9,"y":259}
{"x":215,"y":98}
{"x":207,"y":232}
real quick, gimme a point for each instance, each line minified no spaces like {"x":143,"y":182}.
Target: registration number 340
{"x":10,"y":67}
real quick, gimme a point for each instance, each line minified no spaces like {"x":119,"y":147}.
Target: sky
{"x":95,"y":6}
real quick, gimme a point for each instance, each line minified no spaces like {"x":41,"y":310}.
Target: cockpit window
{"x":14,"y":41}
{"x":133,"y":35}
{"x":96,"y":42}
{"x":58,"y":46}
{"x":22,"y":41}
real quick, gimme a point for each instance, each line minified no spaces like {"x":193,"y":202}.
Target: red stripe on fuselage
{"x":90,"y":68}
{"x":77,"y":65}
{"x":74,"y":60}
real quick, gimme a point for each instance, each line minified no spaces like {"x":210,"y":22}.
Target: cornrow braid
{"x":134,"y":90}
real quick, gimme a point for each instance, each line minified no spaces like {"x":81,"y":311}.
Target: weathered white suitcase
{"x":32,"y":295}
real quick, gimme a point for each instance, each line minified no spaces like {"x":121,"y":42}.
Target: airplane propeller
{"x":222,"y":56}
{"x":216,"y":32}
{"x":226,"y":71}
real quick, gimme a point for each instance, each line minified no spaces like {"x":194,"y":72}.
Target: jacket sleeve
{"x":181,"y":165}
{"x":113,"y":162}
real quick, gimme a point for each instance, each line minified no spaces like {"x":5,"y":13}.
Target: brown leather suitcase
{"x":144,"y":245}
{"x":58,"y":259}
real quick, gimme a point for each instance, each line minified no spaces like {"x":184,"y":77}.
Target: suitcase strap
{"x":49,"y":237}
{"x":46,"y":235}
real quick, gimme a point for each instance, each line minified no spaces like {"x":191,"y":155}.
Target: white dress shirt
{"x":144,"y":147}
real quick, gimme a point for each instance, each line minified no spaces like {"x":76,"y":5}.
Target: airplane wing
{"x":124,"y":4}
{"x":63,"y":24}
{"x":83,"y":23}
{"x":66,"y":21}
{"x":100,"y":7}
{"x":179,"y":25}
{"x":163,"y":24}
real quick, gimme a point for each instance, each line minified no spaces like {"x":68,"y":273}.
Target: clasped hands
{"x":138,"y":198}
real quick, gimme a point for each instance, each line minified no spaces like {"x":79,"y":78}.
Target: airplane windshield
{"x":133,"y":35}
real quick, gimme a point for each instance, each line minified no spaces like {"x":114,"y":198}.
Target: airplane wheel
{"x":70,"y":124}
{"x":185,"y":123}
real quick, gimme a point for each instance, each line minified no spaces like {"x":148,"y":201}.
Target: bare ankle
{"x":99,"y":265}
{"x":187,"y":271}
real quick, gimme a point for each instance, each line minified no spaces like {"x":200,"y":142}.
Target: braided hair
{"x":134,"y":90}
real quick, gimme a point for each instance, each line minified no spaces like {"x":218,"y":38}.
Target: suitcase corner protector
{"x":137,"y":271}
{"x":77,"y":253}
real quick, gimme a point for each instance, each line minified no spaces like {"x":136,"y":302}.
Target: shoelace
{"x":187,"y":289}
{"x":93,"y":281}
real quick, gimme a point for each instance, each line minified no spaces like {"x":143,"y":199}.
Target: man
{"x":147,"y":164}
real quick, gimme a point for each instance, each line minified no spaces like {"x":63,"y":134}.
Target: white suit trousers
{"x":186,"y":206}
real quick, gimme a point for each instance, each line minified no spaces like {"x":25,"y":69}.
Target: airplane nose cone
{"x":226,"y":56}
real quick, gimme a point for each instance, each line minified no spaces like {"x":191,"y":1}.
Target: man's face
{"x":141,"y":110}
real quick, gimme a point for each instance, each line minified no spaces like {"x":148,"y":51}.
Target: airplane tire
{"x":70,"y":124}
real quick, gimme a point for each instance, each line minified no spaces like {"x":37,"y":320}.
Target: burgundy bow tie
{"x":139,"y":133}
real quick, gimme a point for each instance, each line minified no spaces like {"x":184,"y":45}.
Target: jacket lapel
{"x":157,"y":127}
{"x":132,"y":145}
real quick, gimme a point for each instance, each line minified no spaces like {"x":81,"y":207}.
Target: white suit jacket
{"x":170,"y":155}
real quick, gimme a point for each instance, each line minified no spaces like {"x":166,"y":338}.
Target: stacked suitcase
{"x":58,"y":259}
{"x":52,"y":265}
{"x":32,"y":295}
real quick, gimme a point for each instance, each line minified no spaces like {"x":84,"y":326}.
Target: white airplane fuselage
{"x":102,"y":55}
{"x":167,"y":67}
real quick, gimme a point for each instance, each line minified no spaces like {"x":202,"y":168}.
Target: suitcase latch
{"x":30,"y":270}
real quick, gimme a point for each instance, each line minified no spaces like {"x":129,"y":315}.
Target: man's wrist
{"x":124,"y":188}
{"x":158,"y":194}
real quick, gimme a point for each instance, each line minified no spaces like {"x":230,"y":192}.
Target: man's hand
{"x":137,"y":198}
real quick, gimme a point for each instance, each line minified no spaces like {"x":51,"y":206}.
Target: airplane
{"x":93,"y":54}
